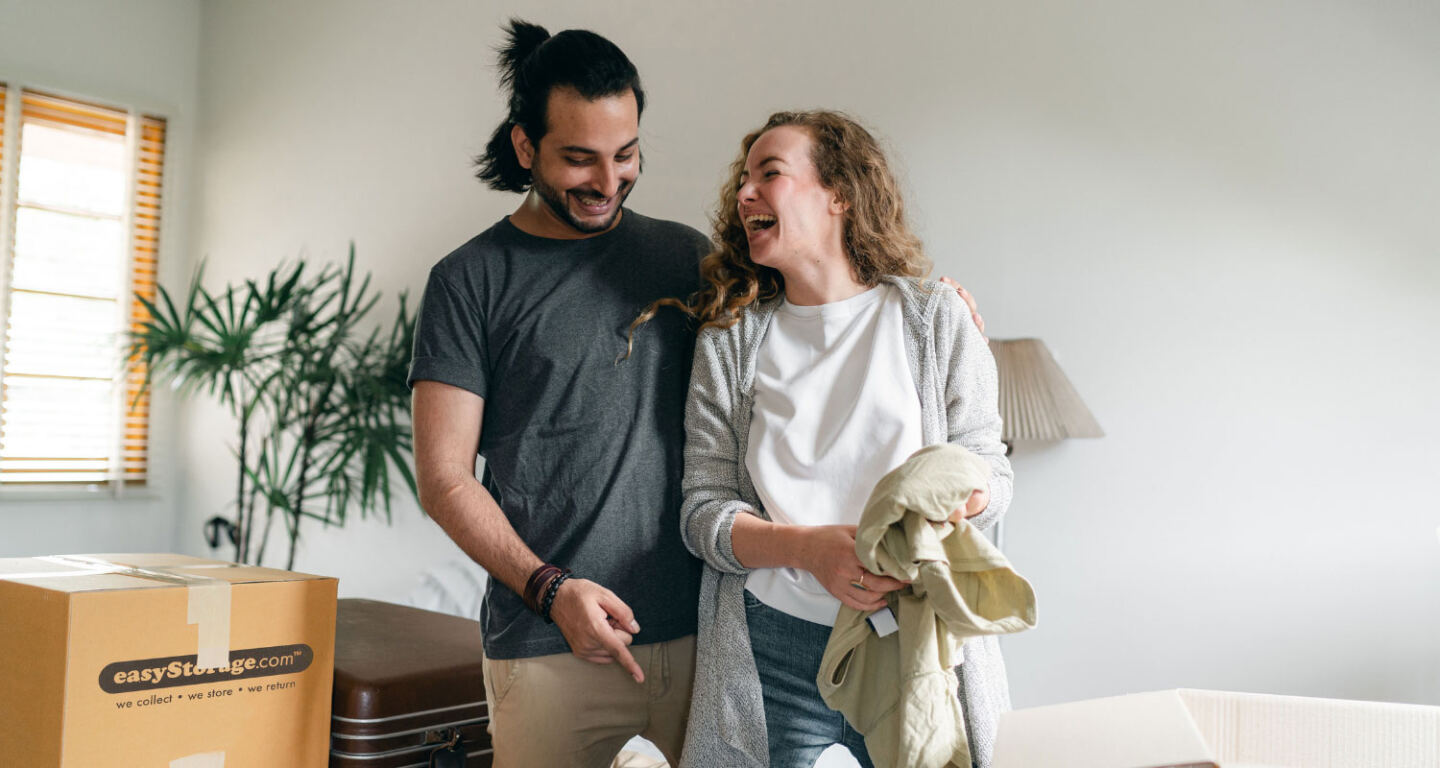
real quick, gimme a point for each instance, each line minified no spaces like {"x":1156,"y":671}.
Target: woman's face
{"x":787,"y":213}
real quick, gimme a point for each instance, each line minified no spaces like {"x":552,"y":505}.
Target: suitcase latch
{"x":451,"y":753}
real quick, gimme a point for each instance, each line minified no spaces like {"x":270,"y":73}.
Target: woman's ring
{"x":860,"y":583}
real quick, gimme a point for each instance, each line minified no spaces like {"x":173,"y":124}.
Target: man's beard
{"x":556,"y":201}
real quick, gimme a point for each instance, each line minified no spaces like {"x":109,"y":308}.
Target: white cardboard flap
{"x":1168,"y":729}
{"x":1142,"y":730}
{"x":1248,"y":729}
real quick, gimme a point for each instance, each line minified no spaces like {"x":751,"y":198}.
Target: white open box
{"x":1199,"y":729}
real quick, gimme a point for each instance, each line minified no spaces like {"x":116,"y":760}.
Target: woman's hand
{"x":828,"y":553}
{"x":976,"y":504}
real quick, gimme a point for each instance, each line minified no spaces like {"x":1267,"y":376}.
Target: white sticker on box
{"x":883,"y":622}
{"x":209,"y":607}
{"x":202,"y":760}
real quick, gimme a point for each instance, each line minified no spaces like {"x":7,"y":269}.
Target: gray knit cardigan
{"x":955,"y":377}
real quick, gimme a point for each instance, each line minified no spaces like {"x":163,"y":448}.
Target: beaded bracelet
{"x":550,"y":591}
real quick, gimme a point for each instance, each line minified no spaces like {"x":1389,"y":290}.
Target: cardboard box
{"x":163,"y":660}
{"x":1198,"y":729}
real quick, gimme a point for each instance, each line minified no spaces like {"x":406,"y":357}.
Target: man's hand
{"x":969,"y":302}
{"x":597,"y":624}
{"x":829,"y":555}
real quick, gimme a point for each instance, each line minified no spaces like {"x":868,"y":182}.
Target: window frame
{"x":115,"y":488}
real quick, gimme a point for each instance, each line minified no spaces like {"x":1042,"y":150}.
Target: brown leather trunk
{"x":406,"y":681}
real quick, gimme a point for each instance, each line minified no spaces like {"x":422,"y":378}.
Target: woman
{"x":822,"y":363}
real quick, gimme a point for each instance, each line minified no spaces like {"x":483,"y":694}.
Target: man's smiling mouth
{"x":590,"y":201}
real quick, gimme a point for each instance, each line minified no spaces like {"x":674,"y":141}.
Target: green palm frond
{"x":324,"y":395}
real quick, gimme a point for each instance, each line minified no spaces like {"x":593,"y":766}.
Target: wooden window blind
{"x":3,"y":90}
{"x":85,"y":224}
{"x":144,"y":275}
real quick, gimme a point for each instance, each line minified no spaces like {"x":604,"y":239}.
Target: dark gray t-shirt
{"x":582,"y":452}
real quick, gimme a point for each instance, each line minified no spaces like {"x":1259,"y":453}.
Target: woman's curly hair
{"x":853,"y":166}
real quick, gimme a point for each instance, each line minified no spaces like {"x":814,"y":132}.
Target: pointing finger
{"x":618,"y":651}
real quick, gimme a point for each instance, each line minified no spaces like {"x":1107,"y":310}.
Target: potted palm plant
{"x":319,"y":397}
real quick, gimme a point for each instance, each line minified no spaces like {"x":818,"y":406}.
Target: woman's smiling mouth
{"x":756,"y":222}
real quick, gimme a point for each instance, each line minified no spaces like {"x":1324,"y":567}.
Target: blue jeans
{"x":798,"y":725}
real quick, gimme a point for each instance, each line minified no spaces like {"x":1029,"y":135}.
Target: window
{"x":80,"y":225}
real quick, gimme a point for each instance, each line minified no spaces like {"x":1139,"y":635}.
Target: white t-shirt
{"x":835,"y":410}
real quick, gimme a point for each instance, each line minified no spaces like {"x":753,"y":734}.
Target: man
{"x":520,"y":331}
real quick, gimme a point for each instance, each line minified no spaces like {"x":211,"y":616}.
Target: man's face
{"x":586,"y":164}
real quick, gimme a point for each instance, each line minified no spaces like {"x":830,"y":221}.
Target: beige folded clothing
{"x":900,"y":690}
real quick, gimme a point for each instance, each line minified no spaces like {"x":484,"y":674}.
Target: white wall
{"x":142,"y":54}
{"x":1220,"y":216}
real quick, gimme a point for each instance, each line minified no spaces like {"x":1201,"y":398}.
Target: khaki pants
{"x":562,"y":711}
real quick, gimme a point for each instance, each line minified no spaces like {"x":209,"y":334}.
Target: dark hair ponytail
{"x":532,"y":63}
{"x":523,"y":40}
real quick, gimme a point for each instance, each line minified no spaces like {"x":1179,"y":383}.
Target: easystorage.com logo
{"x":149,"y":674}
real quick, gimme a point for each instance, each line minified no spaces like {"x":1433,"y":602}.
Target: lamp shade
{"x":1037,"y":402}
